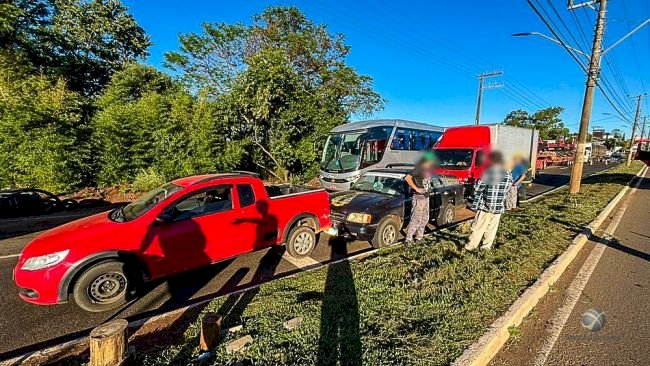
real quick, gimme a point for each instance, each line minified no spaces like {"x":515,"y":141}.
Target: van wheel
{"x":446,"y":216}
{"x":103,"y":287}
{"x":387,"y":233}
{"x":301,"y":241}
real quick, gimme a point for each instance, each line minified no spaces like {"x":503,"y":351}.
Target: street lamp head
{"x":522,"y":34}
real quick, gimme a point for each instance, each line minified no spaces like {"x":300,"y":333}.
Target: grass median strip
{"x":421,"y":304}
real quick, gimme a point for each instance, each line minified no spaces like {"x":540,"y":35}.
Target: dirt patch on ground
{"x":113,"y":194}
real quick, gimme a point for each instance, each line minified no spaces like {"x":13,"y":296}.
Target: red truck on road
{"x":190,"y":222}
{"x":463,"y":151}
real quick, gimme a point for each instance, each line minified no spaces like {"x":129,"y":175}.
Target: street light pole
{"x":592,"y":76}
{"x":628,"y":161}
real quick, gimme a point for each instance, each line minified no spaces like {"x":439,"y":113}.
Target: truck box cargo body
{"x":463,"y":151}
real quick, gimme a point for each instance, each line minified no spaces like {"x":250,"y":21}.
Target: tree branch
{"x":268,"y":170}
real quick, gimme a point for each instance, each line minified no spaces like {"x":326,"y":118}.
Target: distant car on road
{"x":100,"y":260}
{"x":30,"y":201}
{"x":379,"y":203}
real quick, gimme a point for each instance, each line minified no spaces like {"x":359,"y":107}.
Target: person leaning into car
{"x":419,"y":179}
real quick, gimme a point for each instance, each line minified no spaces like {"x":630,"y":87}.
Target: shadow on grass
{"x":340,"y":341}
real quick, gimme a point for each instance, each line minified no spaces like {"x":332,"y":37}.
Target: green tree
{"x":281,"y":84}
{"x":546,"y":121}
{"x":40,"y":131}
{"x":82,"y":41}
{"x":146,"y":122}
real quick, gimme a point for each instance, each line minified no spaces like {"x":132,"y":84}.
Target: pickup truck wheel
{"x":301,"y":241}
{"x":387,"y":233}
{"x":102,"y":287}
{"x":446,"y":216}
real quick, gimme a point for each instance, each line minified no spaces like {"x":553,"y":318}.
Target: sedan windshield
{"x":386,"y":184}
{"x":454,"y":158}
{"x":138,"y":207}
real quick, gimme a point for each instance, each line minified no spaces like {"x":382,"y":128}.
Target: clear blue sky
{"x":424,"y":55}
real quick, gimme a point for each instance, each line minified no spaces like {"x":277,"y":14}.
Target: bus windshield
{"x":346,"y":151}
{"x":454,"y":158}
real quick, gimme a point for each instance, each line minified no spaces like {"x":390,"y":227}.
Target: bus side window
{"x":400,"y":141}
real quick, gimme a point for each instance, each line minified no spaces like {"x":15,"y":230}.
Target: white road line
{"x":580,"y":281}
{"x":9,"y":256}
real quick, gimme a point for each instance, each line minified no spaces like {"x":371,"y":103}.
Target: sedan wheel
{"x":107,"y":287}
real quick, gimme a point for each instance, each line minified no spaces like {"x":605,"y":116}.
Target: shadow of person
{"x":266,"y":234}
{"x":340,"y":341}
{"x":173,"y":247}
{"x":232,"y":310}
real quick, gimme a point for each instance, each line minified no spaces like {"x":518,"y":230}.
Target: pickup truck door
{"x":255,"y":227}
{"x":197,"y":231}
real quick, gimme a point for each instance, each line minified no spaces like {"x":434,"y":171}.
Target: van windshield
{"x":346,"y":151}
{"x":455,"y":158}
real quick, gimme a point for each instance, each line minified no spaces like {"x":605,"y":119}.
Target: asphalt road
{"x":611,"y":275}
{"x":26,"y":327}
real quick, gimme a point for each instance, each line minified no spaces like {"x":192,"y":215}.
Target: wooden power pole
{"x":628,"y":161}
{"x":482,"y":87}
{"x":592,"y":76}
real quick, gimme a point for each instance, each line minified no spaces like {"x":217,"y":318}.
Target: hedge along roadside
{"x":405,"y":305}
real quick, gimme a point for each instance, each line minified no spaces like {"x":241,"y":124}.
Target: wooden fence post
{"x":109,"y":343}
{"x":210,"y":328}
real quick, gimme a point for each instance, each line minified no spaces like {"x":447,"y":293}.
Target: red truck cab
{"x":462,"y":151}
{"x":185,"y":224}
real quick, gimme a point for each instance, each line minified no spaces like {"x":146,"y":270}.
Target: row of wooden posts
{"x":109,"y":342}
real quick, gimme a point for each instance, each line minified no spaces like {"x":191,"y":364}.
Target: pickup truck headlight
{"x":43,"y":261}
{"x":360,"y":218}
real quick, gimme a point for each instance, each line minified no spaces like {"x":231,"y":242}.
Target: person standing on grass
{"x":519,"y":170}
{"x":419,"y":179}
{"x":490,"y":193}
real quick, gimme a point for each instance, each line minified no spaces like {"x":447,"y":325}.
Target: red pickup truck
{"x":190,"y":222}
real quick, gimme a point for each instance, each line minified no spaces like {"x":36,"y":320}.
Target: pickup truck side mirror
{"x":163,"y":219}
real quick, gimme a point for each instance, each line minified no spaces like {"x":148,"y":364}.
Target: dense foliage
{"x":77,"y":108}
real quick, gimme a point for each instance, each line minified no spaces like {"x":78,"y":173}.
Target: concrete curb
{"x":481,"y":352}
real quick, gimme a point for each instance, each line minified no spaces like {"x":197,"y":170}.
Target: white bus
{"x":355,"y":147}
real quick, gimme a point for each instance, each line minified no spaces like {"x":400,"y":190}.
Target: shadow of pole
{"x":340,"y":341}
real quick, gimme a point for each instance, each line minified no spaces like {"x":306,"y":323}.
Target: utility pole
{"x":592,"y":76}
{"x":628,"y":161}
{"x":642,"y":130}
{"x":481,"y":87}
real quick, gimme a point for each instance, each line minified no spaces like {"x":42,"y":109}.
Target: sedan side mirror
{"x":163,"y":219}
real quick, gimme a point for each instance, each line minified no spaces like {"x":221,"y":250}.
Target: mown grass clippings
{"x":416,"y":305}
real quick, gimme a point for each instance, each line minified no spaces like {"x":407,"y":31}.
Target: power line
{"x":571,"y":53}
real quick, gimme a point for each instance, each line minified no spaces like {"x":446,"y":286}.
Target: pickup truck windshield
{"x":138,"y":207}
{"x":346,"y":151}
{"x":391,"y":185}
{"x":454,"y":158}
